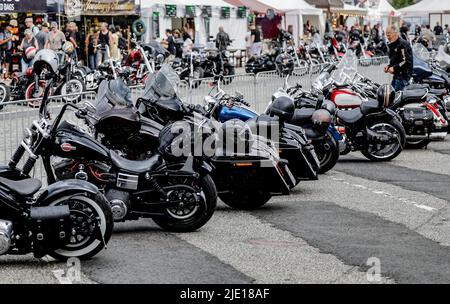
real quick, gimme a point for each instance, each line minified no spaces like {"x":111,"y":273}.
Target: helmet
{"x":30,"y":52}
{"x":385,"y":96}
{"x":283,"y":107}
{"x":48,"y":59}
{"x":329,"y":106}
{"x":321,"y":119}
{"x":284,"y":64}
{"x":68,"y":47}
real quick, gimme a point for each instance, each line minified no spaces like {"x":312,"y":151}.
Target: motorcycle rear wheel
{"x":81,"y":206}
{"x":394,"y":124}
{"x":201,"y":215}
{"x":244,"y":200}
{"x":228,"y":71}
{"x":327,"y":157}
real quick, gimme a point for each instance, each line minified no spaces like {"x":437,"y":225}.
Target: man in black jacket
{"x":400,"y":59}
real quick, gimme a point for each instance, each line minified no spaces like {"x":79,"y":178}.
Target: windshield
{"x":321,"y":81}
{"x":317,"y":40}
{"x":421,"y":51}
{"x":346,"y":70}
{"x":163,"y":83}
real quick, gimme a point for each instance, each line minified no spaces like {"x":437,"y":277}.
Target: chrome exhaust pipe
{"x":6,"y":232}
{"x":438,"y":135}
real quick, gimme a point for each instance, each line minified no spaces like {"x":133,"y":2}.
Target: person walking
{"x":222,"y":39}
{"x":72,"y":36}
{"x":170,"y":44}
{"x":400,"y":59}
{"x":114,"y":47}
{"x":429,"y":36}
{"x":30,"y":25}
{"x":91,"y":42}
{"x":438,"y":29}
{"x":256,"y":41}
{"x":56,"y":38}
{"x":27,"y":42}
{"x":6,"y":47}
{"x":42,"y":36}
{"x":104,"y":42}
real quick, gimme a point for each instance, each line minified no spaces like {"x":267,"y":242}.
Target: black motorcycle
{"x":190,"y":68}
{"x":70,"y":218}
{"x":177,"y":195}
{"x":218,"y":63}
{"x":245,"y":179}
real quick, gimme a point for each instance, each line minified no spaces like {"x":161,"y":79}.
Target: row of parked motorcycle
{"x":163,"y":159}
{"x":312,"y":54}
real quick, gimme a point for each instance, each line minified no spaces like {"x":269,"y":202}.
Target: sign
{"x":242,"y":12}
{"x":73,"y":8}
{"x":23,"y":6}
{"x":225,"y":12}
{"x":171,"y":10}
{"x":207,"y":11}
{"x":190,"y":11}
{"x":155,"y":24}
{"x":109,"y":7}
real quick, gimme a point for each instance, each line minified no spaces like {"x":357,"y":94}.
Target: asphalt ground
{"x":392,"y":217}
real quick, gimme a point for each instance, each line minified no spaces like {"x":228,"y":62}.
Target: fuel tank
{"x":73,"y":142}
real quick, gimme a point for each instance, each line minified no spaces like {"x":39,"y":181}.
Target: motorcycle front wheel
{"x":31,"y":94}
{"x":5,"y":94}
{"x":71,"y":87}
{"x":194,"y":209}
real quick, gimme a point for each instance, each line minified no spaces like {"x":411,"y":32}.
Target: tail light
{"x":29,"y":72}
{"x":341,"y":130}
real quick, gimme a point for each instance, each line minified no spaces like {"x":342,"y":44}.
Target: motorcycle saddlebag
{"x":417,"y":120}
{"x":248,"y":173}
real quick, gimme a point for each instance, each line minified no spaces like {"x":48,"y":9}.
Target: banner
{"x":109,"y":7}
{"x":23,"y":6}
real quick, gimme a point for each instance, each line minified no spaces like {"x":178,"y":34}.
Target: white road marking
{"x":387,"y":194}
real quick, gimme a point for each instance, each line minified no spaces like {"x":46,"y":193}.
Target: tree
{"x":402,"y":3}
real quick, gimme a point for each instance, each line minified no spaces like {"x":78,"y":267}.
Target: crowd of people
{"x":93,"y":48}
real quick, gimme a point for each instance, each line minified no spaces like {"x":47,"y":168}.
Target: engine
{"x":97,"y":173}
{"x":89,"y":170}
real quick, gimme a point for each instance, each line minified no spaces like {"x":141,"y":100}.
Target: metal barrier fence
{"x":257,"y":89}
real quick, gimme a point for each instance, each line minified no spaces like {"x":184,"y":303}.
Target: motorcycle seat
{"x":438,"y":92}
{"x":24,"y":187}
{"x":413,"y":95}
{"x":370,"y":106}
{"x":349,"y":117}
{"x":417,"y":86}
{"x":302,"y":116}
{"x":135,"y":166}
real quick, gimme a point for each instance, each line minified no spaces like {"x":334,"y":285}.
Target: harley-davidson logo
{"x":66,"y":147}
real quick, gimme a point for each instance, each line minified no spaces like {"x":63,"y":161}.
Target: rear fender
{"x":65,"y":188}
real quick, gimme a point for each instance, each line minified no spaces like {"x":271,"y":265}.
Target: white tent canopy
{"x":293,"y":5}
{"x":427,"y":6}
{"x":385,"y":9}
